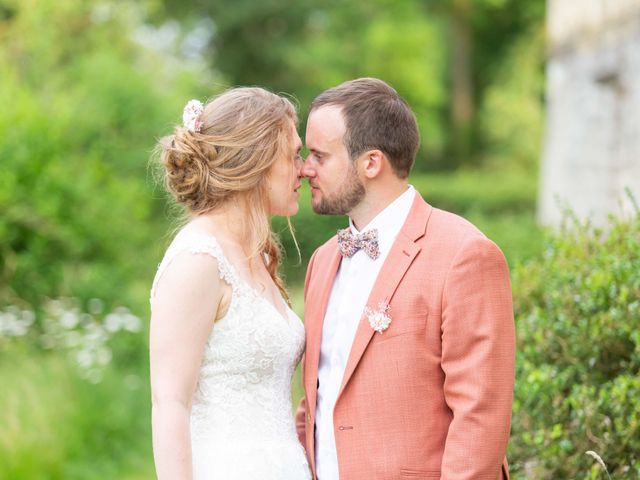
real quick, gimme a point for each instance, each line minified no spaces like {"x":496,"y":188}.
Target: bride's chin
{"x":293,"y":210}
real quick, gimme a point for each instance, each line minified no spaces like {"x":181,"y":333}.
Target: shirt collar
{"x":390,"y":220}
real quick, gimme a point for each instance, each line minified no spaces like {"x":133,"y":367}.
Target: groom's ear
{"x":372,"y":163}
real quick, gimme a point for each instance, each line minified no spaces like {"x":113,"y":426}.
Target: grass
{"x":57,"y":426}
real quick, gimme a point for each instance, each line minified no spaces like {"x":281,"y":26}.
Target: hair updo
{"x":242,"y":133}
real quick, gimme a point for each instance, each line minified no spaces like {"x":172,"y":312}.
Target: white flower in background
{"x":28,"y":317}
{"x":103,"y":356}
{"x":84,"y":335}
{"x":112,"y":322}
{"x":132,"y":323}
{"x":122,"y":319}
{"x":84,"y":358}
{"x":15,"y":322}
{"x":70,"y":319}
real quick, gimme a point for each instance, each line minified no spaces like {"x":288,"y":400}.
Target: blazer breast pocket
{"x":401,"y":325}
{"x":419,"y":474}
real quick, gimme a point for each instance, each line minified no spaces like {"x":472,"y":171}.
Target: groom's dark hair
{"x":376,"y":117}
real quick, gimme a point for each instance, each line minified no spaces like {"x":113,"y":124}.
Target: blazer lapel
{"x":402,"y":253}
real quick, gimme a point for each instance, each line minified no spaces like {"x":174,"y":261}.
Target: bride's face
{"x":283,"y":181}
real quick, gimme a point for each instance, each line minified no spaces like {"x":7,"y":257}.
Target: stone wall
{"x":592,"y":142}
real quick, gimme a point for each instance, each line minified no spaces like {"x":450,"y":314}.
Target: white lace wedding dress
{"x":242,"y":426}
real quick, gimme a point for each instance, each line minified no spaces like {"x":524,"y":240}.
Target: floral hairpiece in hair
{"x":191,"y":114}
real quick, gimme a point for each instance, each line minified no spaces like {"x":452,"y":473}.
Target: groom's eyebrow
{"x":316,"y":151}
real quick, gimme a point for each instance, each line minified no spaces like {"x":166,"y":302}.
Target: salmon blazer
{"x":429,"y":397}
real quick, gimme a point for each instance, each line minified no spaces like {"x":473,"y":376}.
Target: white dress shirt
{"x":351,"y":288}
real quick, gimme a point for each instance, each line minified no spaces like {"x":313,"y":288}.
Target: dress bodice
{"x":241,"y":408}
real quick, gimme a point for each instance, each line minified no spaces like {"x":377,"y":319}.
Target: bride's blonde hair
{"x":240,"y":135}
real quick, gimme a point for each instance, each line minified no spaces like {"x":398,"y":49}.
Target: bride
{"x":224,"y":342}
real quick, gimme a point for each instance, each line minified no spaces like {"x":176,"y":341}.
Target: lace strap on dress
{"x":209,"y":245}
{"x":196,"y":243}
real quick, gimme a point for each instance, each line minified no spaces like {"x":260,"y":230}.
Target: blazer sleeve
{"x":302,"y":407}
{"x":478,"y":350}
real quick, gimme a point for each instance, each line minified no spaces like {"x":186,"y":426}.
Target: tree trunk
{"x":462,"y":108}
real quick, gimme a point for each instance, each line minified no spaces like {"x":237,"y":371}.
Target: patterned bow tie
{"x":350,"y":243}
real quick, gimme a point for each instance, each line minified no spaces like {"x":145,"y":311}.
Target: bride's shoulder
{"x":193,"y":240}
{"x":193,"y":258}
{"x":190,"y":269}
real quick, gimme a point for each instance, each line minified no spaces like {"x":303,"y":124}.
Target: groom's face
{"x":335,"y":185}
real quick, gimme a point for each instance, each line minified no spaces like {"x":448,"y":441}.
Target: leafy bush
{"x":82,"y":105}
{"x":578,"y":362}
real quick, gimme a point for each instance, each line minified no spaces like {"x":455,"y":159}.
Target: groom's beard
{"x":348,"y":195}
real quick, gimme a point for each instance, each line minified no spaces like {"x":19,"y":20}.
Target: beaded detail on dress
{"x":242,"y":426}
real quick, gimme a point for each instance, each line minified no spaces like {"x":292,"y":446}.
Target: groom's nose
{"x":307,"y":170}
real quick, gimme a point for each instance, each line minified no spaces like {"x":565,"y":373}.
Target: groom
{"x":409,"y":364}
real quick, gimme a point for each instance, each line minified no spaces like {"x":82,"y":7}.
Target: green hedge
{"x":578,"y":363}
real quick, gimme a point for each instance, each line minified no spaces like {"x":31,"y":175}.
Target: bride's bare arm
{"x":186,"y":299}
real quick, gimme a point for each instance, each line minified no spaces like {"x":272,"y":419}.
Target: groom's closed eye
{"x":317,"y":156}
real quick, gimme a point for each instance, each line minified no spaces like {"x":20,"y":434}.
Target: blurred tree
{"x":462,"y":107}
{"x":82,"y":105}
{"x":510,"y":116}
{"x":305,"y":47}
{"x":480,"y":33}
{"x":441,"y":55}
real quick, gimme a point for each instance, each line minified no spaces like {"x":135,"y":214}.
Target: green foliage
{"x":56,"y":426}
{"x":306,"y":46}
{"x":82,"y":105}
{"x":578,"y":364}
{"x":511,"y":114}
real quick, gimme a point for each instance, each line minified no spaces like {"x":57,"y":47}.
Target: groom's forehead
{"x":325,"y":124}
